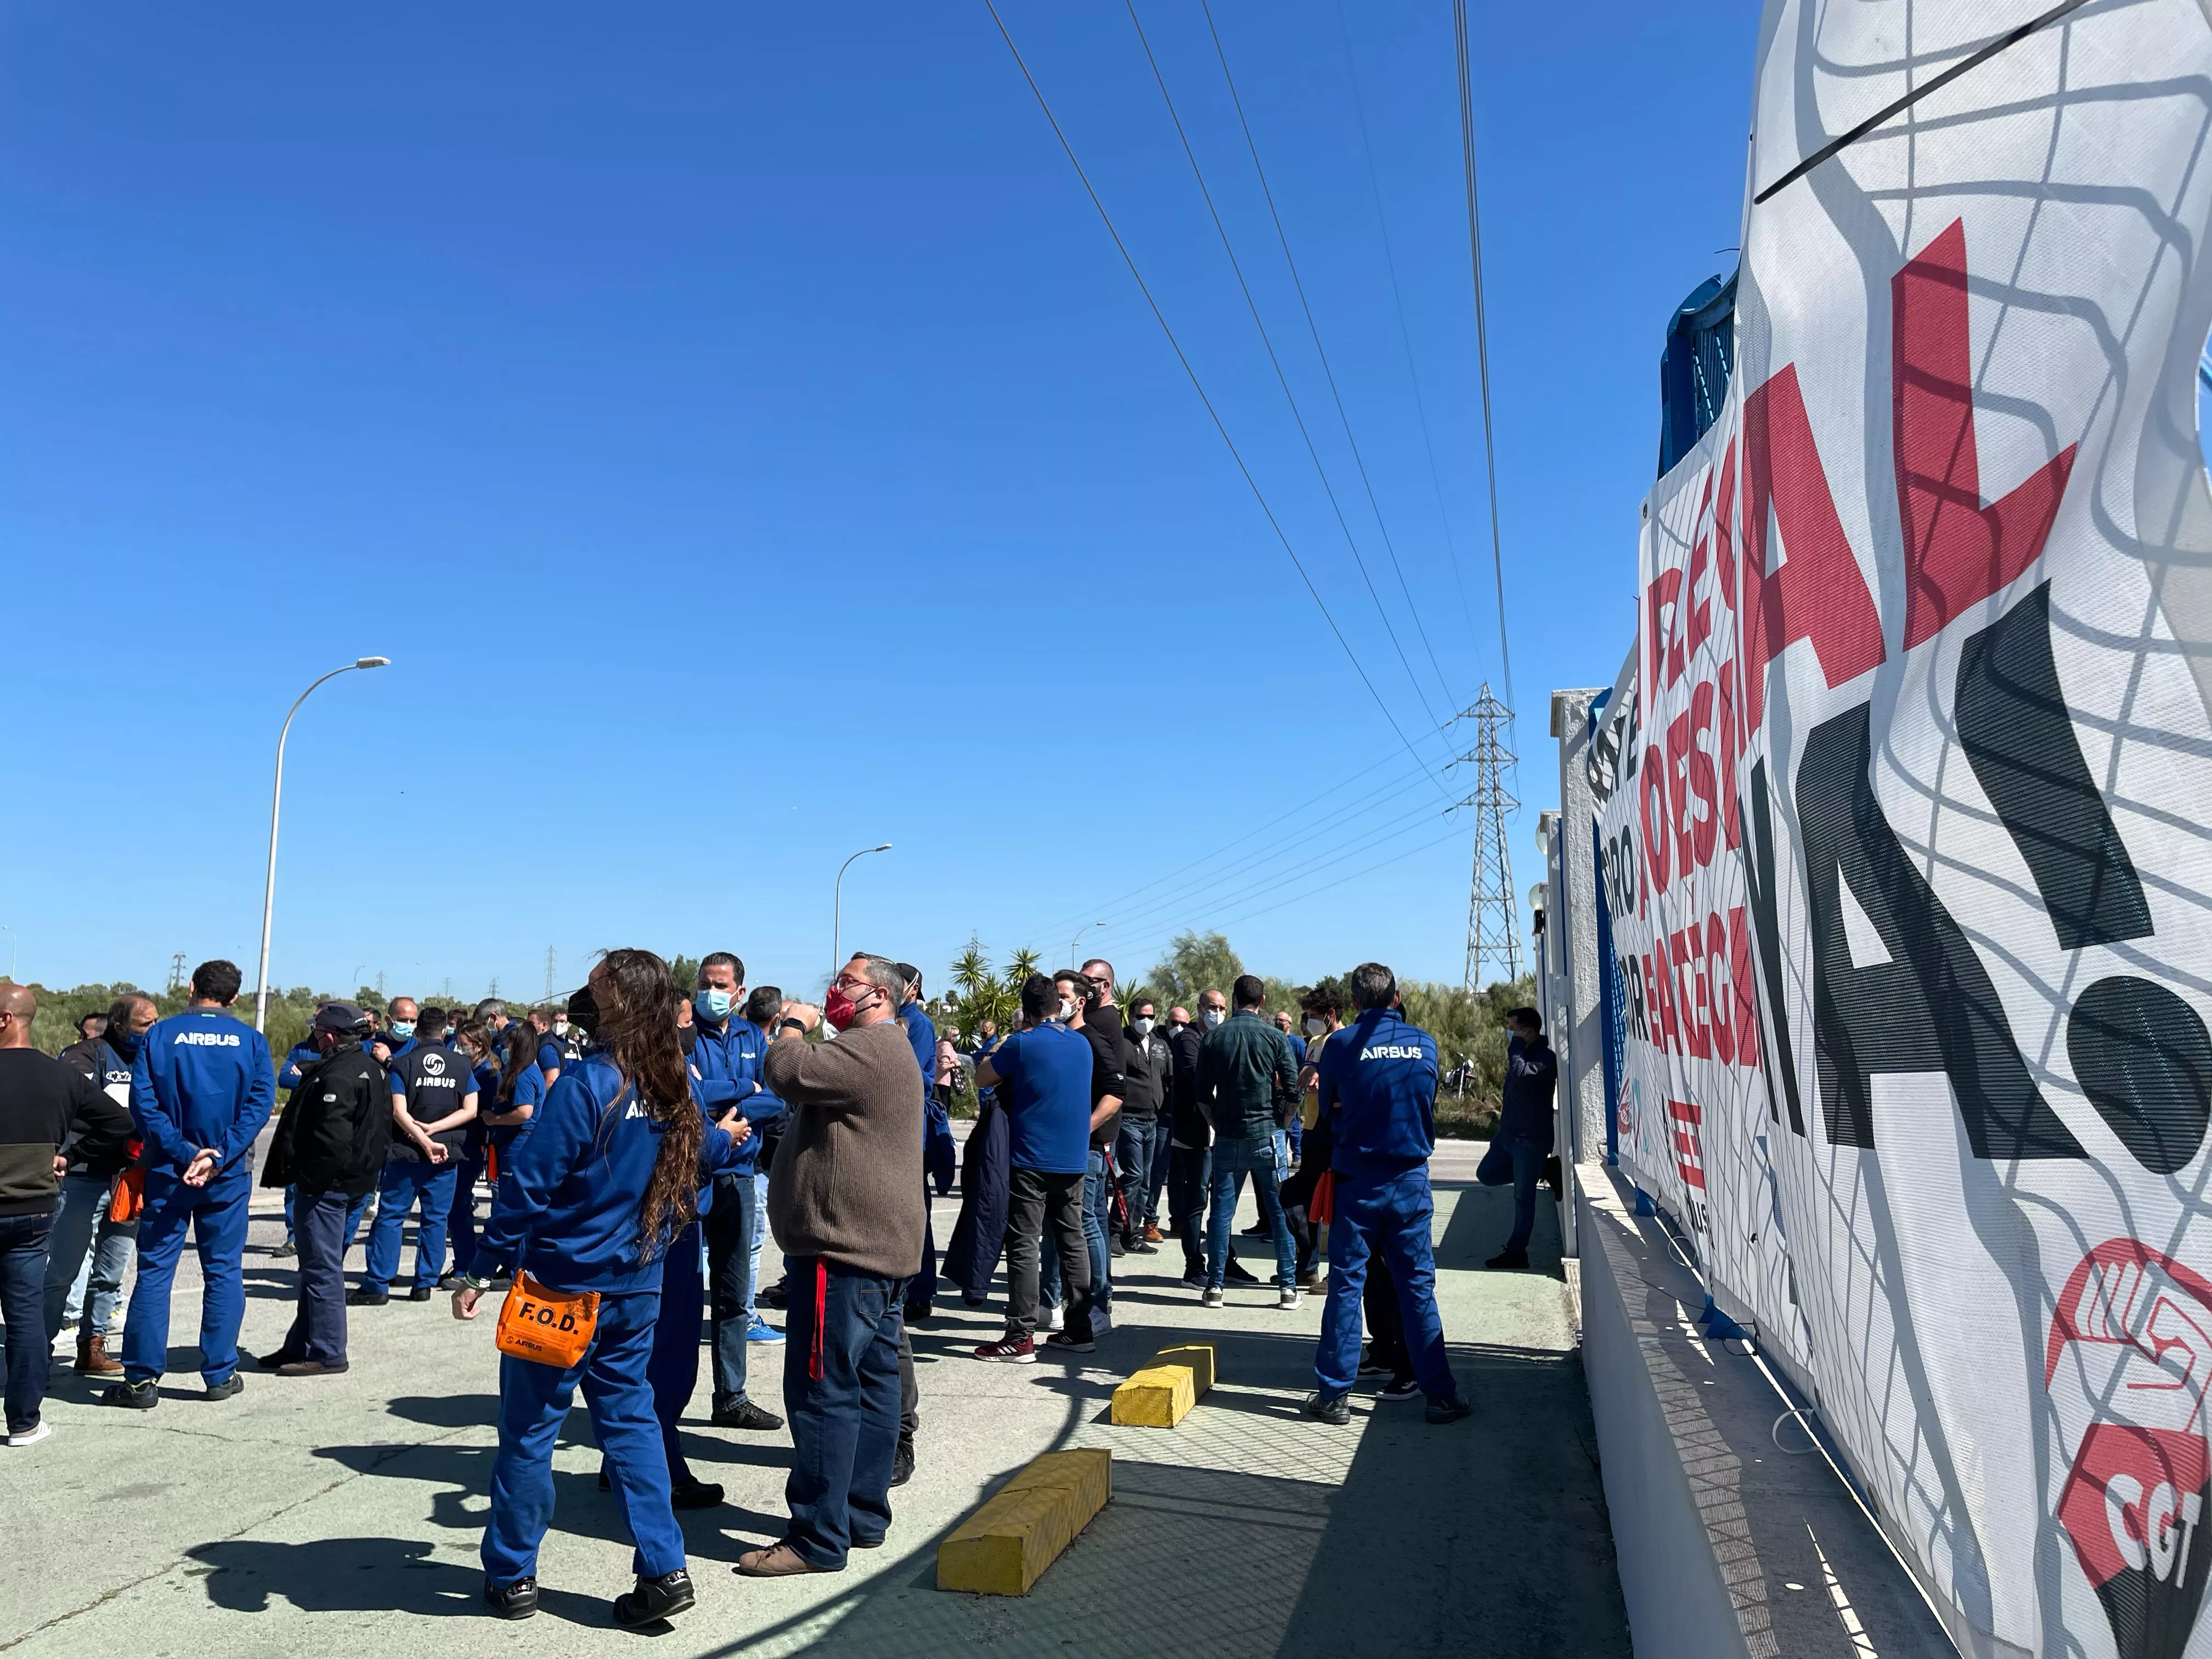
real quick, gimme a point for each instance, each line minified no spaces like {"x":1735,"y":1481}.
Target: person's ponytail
{"x":639,"y":1034}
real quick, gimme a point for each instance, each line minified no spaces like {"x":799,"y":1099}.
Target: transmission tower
{"x":1493,"y":929}
{"x":494,"y":992}
{"x":549,"y":972}
{"x":176,"y":973}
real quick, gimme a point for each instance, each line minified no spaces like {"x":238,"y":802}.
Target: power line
{"x":1481,"y":329}
{"x":1198,"y":386}
{"x":1281,"y":379}
{"x":1405,"y":335}
{"x":1314,"y":329}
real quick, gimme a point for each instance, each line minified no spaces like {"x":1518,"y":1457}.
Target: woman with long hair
{"x":589,"y":1201}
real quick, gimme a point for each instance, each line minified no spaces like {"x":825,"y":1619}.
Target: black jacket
{"x":1146,"y":1075}
{"x":1189,"y":1124}
{"x":45,"y":1106}
{"x":1532,"y":1074}
{"x":102,"y":1062}
{"x":332,"y":1136}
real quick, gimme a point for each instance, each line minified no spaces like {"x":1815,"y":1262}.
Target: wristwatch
{"x":797,"y":1025}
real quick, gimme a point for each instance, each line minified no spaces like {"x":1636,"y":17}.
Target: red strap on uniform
{"x":821,"y":1303}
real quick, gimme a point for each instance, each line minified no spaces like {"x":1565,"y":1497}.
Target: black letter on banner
{"x":1931,"y":1007}
{"x":2020,"y":739}
{"x":1774,"y":1053}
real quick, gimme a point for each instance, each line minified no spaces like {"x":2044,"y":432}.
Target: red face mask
{"x":839,"y":1009}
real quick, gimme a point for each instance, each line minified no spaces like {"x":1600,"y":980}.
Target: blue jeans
{"x":840,"y":1391}
{"x":81,"y":1228}
{"x":1395,"y":1216}
{"x":731,"y":1226}
{"x":216,"y":1215}
{"x":760,"y":1237}
{"x":323,"y":1221}
{"x":353,"y":1215}
{"x":400,"y":1189}
{"x":1142,"y":1149}
{"x":461,"y":1218}
{"x":1521,"y":1163}
{"x":22,"y":1298}
{"x":1233,"y":1157}
{"x":533,"y":1401}
{"x":673,"y":1370}
{"x":1098,"y":1209}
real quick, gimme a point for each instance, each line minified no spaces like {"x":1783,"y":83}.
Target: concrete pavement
{"x":347,"y":1510}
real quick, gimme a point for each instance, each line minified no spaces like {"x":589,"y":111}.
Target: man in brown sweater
{"x":842,"y":1201}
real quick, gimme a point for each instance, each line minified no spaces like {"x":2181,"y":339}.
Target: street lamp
{"x":275,"y":802}
{"x":1072,"y":959}
{"x":837,"y":911}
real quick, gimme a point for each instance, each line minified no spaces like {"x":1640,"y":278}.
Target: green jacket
{"x":1242,"y":1065}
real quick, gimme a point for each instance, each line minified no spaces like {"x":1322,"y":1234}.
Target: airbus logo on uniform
{"x":432,"y":1065}
{"x":1394,"y":1051}
{"x":208,"y":1039}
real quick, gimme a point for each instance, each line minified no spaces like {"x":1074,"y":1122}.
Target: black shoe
{"x":1449,"y":1409}
{"x":449,"y":1281}
{"x":1238,"y":1273}
{"x":269,"y":1362}
{"x":133,"y":1396}
{"x":1115,"y":1246}
{"x":654,"y":1600}
{"x":699,"y":1495}
{"x":287,"y":1248}
{"x":606,"y":1484}
{"x":1508,"y":1260}
{"x":867,"y":1543}
{"x":917,"y":1313}
{"x":312,"y":1367}
{"x":362,"y":1297}
{"x":902,"y":1466}
{"x":746,"y":1415}
{"x":420,"y":1293}
{"x":1257,"y":1230}
{"x":518,"y":1601}
{"x":774,"y":1295}
{"x":229,"y":1389}
{"x":1399,"y":1388}
{"x":1335,"y":1413}
{"x":1142,"y":1248}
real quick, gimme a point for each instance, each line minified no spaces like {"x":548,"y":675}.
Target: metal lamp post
{"x":275,"y":804}
{"x":1072,"y":959}
{"x":837,"y":906}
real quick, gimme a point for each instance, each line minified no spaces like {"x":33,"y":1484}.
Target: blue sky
{"x":739,"y":431}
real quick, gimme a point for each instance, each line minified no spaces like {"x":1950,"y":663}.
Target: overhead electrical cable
{"x":1327,"y":372}
{"x":1288,"y":397}
{"x":1252,"y":483}
{"x":1481,"y":330}
{"x":1405,"y":335}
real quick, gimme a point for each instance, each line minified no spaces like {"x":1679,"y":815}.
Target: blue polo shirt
{"x":1046,"y":1074}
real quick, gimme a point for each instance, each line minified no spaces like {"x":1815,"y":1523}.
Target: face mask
{"x":125,"y":1044}
{"x":839,"y":1009}
{"x":1316,"y":1027}
{"x":560,"y":1028}
{"x":1067,"y":1009}
{"x":714,"y":1004}
{"x":1145,"y":1026}
{"x":1213,"y":1017}
{"x":446,"y":1034}
{"x":402,"y":1028}
{"x":688,"y":1036}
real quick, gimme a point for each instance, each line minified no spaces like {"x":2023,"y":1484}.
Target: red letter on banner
{"x":1730,"y":747}
{"x":1819,"y":593}
{"x":1678,"y":791}
{"x":1704,"y":830}
{"x":1664,"y":612}
{"x":1654,"y":835}
{"x":1957,"y":552}
{"x":1687,"y":951}
{"x":1716,"y":970}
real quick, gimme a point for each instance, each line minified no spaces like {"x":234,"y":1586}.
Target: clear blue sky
{"x":740,"y":432}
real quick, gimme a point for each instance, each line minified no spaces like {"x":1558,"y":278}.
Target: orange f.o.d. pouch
{"x":548,"y":1328}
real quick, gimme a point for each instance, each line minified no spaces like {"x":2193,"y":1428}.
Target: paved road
{"x":347,"y":1512}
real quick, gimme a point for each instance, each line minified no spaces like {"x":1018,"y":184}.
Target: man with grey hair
{"x":1378,"y":1093}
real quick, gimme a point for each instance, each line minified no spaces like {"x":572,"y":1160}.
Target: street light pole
{"x":837,"y":906}
{"x":1072,"y":959}
{"x":276,"y":805}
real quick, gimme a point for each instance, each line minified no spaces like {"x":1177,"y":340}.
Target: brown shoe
{"x":93,"y":1360}
{"x":1154,"y":1236}
{"x":776,"y":1561}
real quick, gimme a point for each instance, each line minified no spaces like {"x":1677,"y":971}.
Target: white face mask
{"x":1316,"y":1027}
{"x":1067,"y":1009}
{"x":1213,"y":1017}
{"x":1145,"y":1026}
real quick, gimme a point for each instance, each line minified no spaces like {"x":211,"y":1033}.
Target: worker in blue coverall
{"x":1378,"y":1090}
{"x":201,"y":1091}
{"x":725,"y":1061}
{"x":592,"y":1199}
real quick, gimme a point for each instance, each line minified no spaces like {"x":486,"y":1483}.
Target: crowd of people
{"x":641,"y":1144}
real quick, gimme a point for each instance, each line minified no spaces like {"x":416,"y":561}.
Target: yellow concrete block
{"x":1004,"y":1548}
{"x":1158,"y":1397}
{"x":1199,"y":1356}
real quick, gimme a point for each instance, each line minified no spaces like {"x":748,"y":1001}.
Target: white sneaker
{"x":17,"y":1442}
{"x":1212,"y":1299}
{"x":1056,"y":1319}
{"x":1291,"y":1298}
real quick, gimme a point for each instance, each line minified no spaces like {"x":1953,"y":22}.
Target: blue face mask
{"x":715,"y":1004}
{"x":401,"y":1027}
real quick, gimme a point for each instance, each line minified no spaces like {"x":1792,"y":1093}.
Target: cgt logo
{"x":2133,"y":1336}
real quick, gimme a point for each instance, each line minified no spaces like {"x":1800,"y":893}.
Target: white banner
{"x":1910,"y":859}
